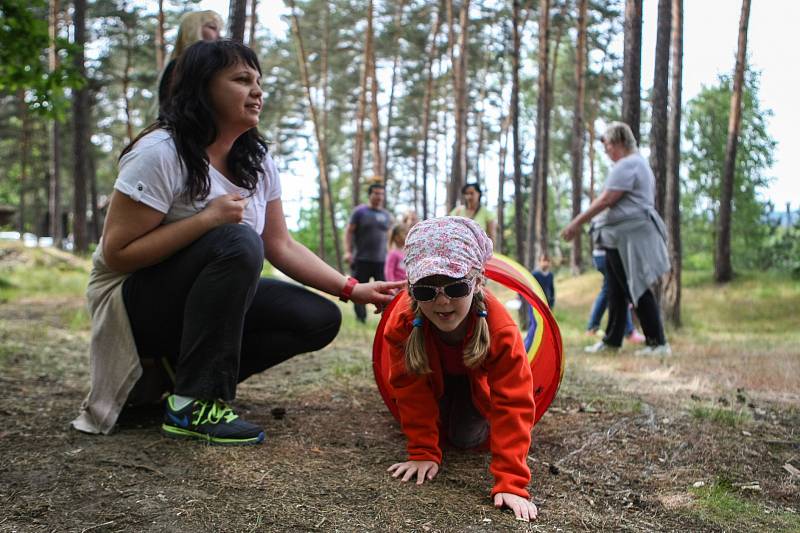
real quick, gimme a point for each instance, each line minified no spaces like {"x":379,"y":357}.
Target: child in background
{"x":458,"y":363}
{"x":546,"y":280}
{"x":395,"y":267}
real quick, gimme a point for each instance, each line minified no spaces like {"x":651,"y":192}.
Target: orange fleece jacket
{"x":502,"y":390}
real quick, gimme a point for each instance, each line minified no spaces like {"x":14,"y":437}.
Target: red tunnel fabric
{"x":545,"y":350}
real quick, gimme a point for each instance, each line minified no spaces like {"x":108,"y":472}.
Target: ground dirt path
{"x":620,"y":450}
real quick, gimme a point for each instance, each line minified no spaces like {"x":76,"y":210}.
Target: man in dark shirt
{"x":366,"y":233}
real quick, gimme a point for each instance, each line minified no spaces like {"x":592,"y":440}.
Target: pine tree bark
{"x":519,"y":197}
{"x":126,"y":79}
{"x":161,"y":50}
{"x":671,"y":299}
{"x":723,"y":271}
{"x":322,"y":153}
{"x":537,"y":216}
{"x":460,"y":64}
{"x":501,"y":185}
{"x":24,"y":156}
{"x":426,"y":109}
{"x":80,"y":127}
{"x":324,"y":83}
{"x":54,"y":196}
{"x":398,"y":18}
{"x":237,"y":19}
{"x":578,"y":133}
{"x":375,"y":133}
{"x":358,"y":143}
{"x":254,"y":23}
{"x":658,"y":127}
{"x":632,"y":66}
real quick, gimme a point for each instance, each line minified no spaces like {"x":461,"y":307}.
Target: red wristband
{"x":347,"y":290}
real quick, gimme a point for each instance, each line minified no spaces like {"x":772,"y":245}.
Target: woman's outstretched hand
{"x":379,"y":293}
{"x":523,"y":508}
{"x":569,"y":232}
{"x":424,"y":470}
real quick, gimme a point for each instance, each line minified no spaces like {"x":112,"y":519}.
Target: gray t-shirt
{"x":633,"y":175}
{"x":372,"y":226}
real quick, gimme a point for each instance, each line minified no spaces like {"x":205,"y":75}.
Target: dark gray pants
{"x":207,"y":310}
{"x":464,"y":426}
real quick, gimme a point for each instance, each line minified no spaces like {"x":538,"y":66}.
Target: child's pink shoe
{"x":636,"y":337}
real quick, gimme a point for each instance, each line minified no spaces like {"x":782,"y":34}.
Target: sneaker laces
{"x":212,"y":412}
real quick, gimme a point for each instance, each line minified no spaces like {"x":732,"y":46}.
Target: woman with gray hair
{"x":634,"y":237}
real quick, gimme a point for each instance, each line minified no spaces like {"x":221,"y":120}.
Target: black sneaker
{"x":211,"y":421}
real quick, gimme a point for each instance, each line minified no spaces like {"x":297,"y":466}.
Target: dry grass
{"x":621,"y":448}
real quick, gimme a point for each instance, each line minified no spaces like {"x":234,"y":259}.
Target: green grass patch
{"x":725,"y":417}
{"x":721,"y":504}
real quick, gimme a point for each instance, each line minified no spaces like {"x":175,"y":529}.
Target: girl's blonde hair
{"x":190,"y":30}
{"x":397,"y":231}
{"x":474,"y":351}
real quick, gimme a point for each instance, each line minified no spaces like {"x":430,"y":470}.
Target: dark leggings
{"x":210,"y":314}
{"x":463,"y":424}
{"x":618,"y":298}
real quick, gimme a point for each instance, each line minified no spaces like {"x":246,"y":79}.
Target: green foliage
{"x":706,"y":133}
{"x":24,"y":40}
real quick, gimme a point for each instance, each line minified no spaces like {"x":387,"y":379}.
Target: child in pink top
{"x":395,"y":267}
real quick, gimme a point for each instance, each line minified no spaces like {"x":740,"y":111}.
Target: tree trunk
{"x":254,"y":22}
{"x":126,"y":81}
{"x":723,"y":271}
{"x":237,"y":18}
{"x":658,"y":128}
{"x":375,"y":134}
{"x":161,"y":48}
{"x":322,"y":154}
{"x":358,"y":146}
{"x":80,"y":118}
{"x":96,"y":226}
{"x":501,"y":183}
{"x":537,"y":216}
{"x":24,"y":156}
{"x":54,"y":196}
{"x":459,"y":156}
{"x":519,"y":198}
{"x":324,"y":83}
{"x":632,"y":66}
{"x":671,"y":298}
{"x":578,"y":134}
{"x":426,"y":110}
{"x":398,"y":17}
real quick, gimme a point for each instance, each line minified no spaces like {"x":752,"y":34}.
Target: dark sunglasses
{"x":454,"y":290}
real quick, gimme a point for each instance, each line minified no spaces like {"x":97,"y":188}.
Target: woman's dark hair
{"x":473,"y":185}
{"x":188,"y":116}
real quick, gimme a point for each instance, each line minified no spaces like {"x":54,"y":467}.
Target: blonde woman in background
{"x":195,"y":26}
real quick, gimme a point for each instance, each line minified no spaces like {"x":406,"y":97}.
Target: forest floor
{"x":705,"y":440}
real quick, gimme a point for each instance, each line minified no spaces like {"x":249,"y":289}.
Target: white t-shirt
{"x":151,"y":173}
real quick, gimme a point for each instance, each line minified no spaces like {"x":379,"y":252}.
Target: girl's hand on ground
{"x":523,"y":508}
{"x":226,"y":209}
{"x":379,"y":293}
{"x":425,"y":470}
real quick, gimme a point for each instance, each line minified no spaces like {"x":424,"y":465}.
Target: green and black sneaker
{"x":210,"y":421}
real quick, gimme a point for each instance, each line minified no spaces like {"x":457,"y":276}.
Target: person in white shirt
{"x":177,"y":275}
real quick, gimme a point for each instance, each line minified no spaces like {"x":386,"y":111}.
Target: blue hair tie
{"x":417,"y":322}
{"x":482,"y":314}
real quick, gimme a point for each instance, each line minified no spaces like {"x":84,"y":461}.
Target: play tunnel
{"x":542,"y":338}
